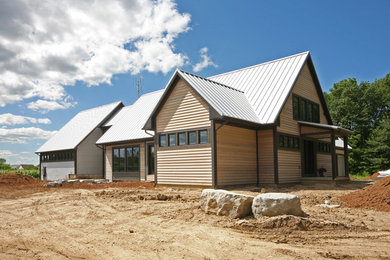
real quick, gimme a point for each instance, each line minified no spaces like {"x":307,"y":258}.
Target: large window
{"x":305,"y":110}
{"x":125,"y":159}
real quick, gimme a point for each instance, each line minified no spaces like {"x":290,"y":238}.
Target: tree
{"x":3,"y":165}
{"x":362,"y":108}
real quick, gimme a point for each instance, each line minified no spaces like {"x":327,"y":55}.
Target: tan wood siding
{"x":325,"y":161}
{"x":289,"y":166}
{"x":304,"y":87}
{"x":266,"y":156}
{"x":185,"y":166}
{"x":183,"y":109}
{"x":236,"y":156}
{"x":108,"y":158}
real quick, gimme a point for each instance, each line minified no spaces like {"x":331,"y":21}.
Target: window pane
{"x":135,"y":166}
{"x":163,"y":140}
{"x":296,"y":143}
{"x":316,"y":113}
{"x":281,"y":141}
{"x":291,"y":142}
{"x":115,"y":159}
{"x":129,"y":158}
{"x":121,"y":159}
{"x":295,"y":108}
{"x":302,"y":110}
{"x":309,"y":112}
{"x":192,"y":137}
{"x":172,"y":139}
{"x":182,"y":138}
{"x":203,"y":136}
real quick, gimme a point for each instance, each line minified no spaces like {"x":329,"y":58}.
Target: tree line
{"x":364,"y":108}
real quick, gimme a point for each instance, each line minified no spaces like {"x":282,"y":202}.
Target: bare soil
{"x":138,"y":221}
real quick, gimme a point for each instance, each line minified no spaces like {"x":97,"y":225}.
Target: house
{"x":22,"y":166}
{"x":265,"y":124}
{"x":72,"y":149}
{"x":129,"y":150}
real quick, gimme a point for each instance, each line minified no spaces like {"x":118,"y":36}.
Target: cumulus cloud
{"x":46,"y":45}
{"x":44,"y":106}
{"x":205,"y":62}
{"x":10,"y":119}
{"x":21,"y":135}
{"x":19,"y":158}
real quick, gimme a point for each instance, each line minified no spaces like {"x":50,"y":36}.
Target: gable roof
{"x":268,"y":85}
{"x":116,"y":117}
{"x":79,"y":127}
{"x":254,"y":94}
{"x":127,"y":124}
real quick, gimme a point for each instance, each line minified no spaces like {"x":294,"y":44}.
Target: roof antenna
{"x":137,"y":81}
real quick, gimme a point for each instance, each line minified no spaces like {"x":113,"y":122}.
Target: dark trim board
{"x":257,"y":160}
{"x":276,"y":170}
{"x":214,"y":153}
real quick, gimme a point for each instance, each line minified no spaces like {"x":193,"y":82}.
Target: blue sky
{"x":51,"y":72}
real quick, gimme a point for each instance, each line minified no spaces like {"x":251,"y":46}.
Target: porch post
{"x":346,"y":156}
{"x":334,"y":158}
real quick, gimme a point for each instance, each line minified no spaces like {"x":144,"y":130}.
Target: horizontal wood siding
{"x":304,"y":87}
{"x":183,"y":109}
{"x":325,"y":161}
{"x":188,"y":166}
{"x":236,"y":156}
{"x":289,"y":166}
{"x":266,"y":156}
{"x":108,"y":158}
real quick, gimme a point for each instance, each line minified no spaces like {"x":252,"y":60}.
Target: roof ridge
{"x":153,"y":92}
{"x":215,"y":82}
{"x":260,"y":64}
{"x":117,"y":102}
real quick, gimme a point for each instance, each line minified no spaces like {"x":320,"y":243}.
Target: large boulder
{"x":225,"y":203}
{"x":273,"y":204}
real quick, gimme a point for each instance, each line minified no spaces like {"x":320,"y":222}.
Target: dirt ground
{"x":142,"y":222}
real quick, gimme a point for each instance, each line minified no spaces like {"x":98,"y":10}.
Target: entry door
{"x":309,"y":159}
{"x":151,"y":158}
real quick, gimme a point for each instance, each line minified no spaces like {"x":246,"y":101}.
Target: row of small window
{"x":125,"y":159}
{"x":324,"y":147}
{"x":286,"y":141}
{"x":305,"y":110}
{"x":183,"y":138}
{"x":58,"y":156}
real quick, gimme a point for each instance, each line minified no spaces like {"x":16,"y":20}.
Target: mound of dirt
{"x":376,"y":196}
{"x":16,"y":179}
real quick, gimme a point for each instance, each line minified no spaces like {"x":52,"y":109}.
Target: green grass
{"x":33,"y":173}
{"x":360,"y":176}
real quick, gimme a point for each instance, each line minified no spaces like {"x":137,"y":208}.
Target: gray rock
{"x":225,"y":203}
{"x":274,"y":204}
{"x":53,"y":184}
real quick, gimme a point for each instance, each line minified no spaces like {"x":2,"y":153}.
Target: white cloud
{"x":46,"y":45}
{"x":205,"y":62}
{"x":6,"y":153}
{"x":19,"y":158}
{"x":44,"y":106}
{"x":21,"y":135}
{"x":10,"y":119}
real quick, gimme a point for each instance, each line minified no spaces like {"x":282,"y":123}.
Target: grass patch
{"x":361,"y":176}
{"x":33,"y":173}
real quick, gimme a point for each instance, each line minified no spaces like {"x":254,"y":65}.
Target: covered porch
{"x":324,"y":145}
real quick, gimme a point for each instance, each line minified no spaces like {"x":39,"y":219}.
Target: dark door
{"x":309,"y":159}
{"x":150,"y":158}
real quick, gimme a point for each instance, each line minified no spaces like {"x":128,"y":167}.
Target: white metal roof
{"x":340,"y":143}
{"x":116,"y":117}
{"x":71,"y":134}
{"x":226,"y":100}
{"x":133,"y":118}
{"x":267,"y":85}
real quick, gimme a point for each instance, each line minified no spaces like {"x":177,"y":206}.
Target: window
{"x":203,"y":136}
{"x":305,"y":110}
{"x":171,"y":139}
{"x":323,"y":147}
{"x":192,"y":137}
{"x":287,"y":141}
{"x":182,"y":138}
{"x":125,"y":159}
{"x":163,"y":140}
{"x":58,"y":156}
